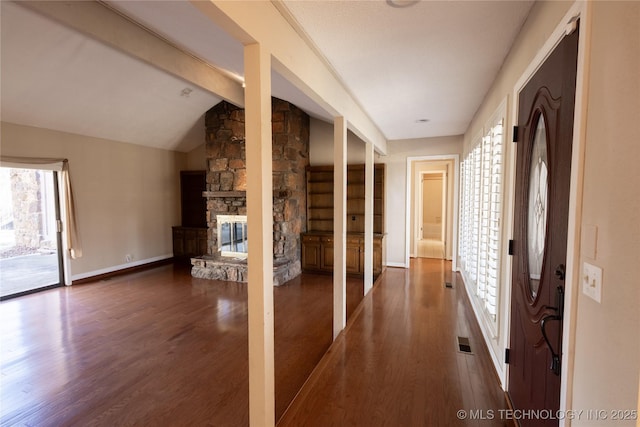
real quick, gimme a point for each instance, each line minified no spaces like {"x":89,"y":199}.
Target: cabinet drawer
{"x":310,"y":238}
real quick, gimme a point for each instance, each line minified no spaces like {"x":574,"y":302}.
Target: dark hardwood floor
{"x":398,"y":364}
{"x":161,"y":348}
{"x":153,"y":348}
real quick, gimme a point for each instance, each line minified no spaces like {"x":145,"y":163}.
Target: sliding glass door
{"x":30,"y":241}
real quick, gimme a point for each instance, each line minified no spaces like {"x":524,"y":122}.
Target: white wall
{"x":127,"y":196}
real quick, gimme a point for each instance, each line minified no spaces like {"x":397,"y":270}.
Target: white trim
{"x":397,"y":265}
{"x":583,"y":11}
{"x":492,"y":330}
{"x":456,"y":190}
{"x":480,"y":314}
{"x":66,"y":255}
{"x":119,"y":267}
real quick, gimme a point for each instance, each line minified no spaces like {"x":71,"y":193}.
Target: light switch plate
{"x":592,"y":281}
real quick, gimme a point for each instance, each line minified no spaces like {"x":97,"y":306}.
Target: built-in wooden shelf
{"x":317,"y":242}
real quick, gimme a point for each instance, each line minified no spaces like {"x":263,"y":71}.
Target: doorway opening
{"x":431,"y":224}
{"x":30,"y":238}
{"x":432,"y":208}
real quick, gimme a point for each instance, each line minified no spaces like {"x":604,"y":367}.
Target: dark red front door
{"x":545,"y":132}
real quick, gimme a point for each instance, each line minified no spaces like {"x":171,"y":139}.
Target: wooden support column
{"x":257,"y":65}
{"x":368,"y":217}
{"x":339,"y":225}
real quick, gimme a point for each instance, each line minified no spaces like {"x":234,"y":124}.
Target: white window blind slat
{"x":480,"y":216}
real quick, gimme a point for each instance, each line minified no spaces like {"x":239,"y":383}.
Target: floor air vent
{"x":448,"y":285}
{"x":464,"y":345}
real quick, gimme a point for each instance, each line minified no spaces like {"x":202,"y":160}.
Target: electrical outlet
{"x":592,"y":281}
{"x":128,"y":258}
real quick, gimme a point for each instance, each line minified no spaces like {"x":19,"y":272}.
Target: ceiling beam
{"x":261,"y":22}
{"x":113,"y":29}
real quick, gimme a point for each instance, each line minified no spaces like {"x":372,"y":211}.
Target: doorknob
{"x":560,"y":272}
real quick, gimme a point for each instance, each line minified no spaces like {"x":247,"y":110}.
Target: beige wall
{"x":197,"y":158}
{"x":419,"y":167}
{"x":607,"y":341}
{"x":396,"y":186}
{"x":607,"y":335}
{"x":432,"y":203}
{"x":127,"y":196}
{"x":321,"y":145}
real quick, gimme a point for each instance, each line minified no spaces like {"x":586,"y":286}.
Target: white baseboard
{"x":111,"y":269}
{"x":396,"y":264}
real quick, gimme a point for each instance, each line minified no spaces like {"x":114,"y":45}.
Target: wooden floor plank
{"x":398,"y":362}
{"x":153,"y":348}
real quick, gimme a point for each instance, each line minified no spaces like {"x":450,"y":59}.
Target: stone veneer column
{"x":227,"y":171}
{"x":226,"y":156}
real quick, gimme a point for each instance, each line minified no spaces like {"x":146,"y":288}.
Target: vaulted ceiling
{"x":418,"y":69}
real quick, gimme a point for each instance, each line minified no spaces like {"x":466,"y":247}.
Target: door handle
{"x":555,"y":357}
{"x":560,"y":272}
{"x":559,"y":309}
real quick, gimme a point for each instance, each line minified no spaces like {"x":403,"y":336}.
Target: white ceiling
{"x":56,"y":78}
{"x":431,"y":60}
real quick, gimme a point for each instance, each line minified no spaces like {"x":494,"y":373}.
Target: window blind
{"x":480,"y":216}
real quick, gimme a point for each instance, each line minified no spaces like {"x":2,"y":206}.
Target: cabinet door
{"x":377,"y":257}
{"x":178,"y":242}
{"x":190,"y":242}
{"x":311,"y":253}
{"x":352,"y":256}
{"x":327,"y":254}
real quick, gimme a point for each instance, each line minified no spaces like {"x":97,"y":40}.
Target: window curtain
{"x":70,"y":232}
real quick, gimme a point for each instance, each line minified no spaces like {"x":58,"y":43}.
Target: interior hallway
{"x":398,"y":362}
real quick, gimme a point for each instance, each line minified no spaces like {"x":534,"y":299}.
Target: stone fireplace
{"x":226,"y":188}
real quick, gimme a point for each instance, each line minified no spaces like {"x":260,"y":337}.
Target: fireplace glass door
{"x":232,"y":235}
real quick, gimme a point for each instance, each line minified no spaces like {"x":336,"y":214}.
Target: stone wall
{"x":227,"y":179}
{"x":26,"y":194}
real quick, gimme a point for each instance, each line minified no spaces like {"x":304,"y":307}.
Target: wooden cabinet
{"x":193,"y":205}
{"x":352,"y":255}
{"x":311,"y":252}
{"x":317,"y":253}
{"x":189,"y":241}
{"x":317,"y":242}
